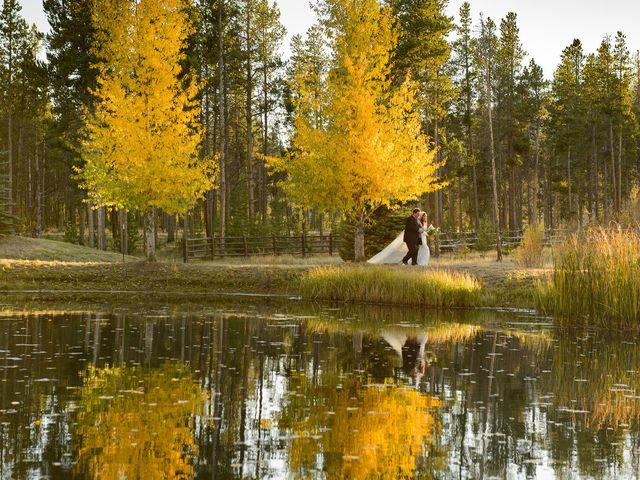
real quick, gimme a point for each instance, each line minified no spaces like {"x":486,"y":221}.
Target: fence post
{"x":304,"y":246}
{"x":245,"y":245}
{"x":275,"y":247}
{"x":331,"y":244}
{"x":213,"y":245}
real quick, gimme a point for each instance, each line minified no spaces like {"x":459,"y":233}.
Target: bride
{"x":396,"y":250}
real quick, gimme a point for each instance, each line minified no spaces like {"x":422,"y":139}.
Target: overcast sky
{"x":546,"y":26}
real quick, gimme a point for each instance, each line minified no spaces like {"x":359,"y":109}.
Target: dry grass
{"x":270,"y":260}
{"x":596,"y":278}
{"x":392,"y":285}
{"x":530,"y":252}
{"x":25,"y":248}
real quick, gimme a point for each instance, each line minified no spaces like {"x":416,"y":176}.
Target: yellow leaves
{"x":143,"y":140}
{"x":368,"y":149}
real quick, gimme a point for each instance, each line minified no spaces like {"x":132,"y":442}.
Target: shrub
{"x":71,"y":233}
{"x":399,"y":285}
{"x":486,"y":236}
{"x":529,"y":253}
{"x":384,"y":227}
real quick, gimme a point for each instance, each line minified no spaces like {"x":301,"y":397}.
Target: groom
{"x":412,"y":237}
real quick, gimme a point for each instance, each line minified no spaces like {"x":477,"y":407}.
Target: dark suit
{"x":412,"y":238}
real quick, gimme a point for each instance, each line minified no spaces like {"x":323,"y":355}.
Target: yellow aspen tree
{"x":369,"y":151}
{"x":142,"y":145}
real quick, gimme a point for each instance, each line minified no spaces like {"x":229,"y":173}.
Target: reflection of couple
{"x":409,"y":245}
{"x":411,"y":352}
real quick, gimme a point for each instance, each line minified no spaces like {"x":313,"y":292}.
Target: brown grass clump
{"x":388,"y":285}
{"x":529,"y":253}
{"x":597,"y":277}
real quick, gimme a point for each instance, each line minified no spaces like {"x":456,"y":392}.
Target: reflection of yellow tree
{"x":134,"y":423}
{"x":377,"y":431}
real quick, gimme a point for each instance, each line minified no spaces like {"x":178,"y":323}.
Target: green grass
{"x":389,"y":285}
{"x":25,"y":248}
{"x":596,"y":280}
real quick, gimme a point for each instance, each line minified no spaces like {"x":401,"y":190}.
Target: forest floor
{"x":50,"y":266}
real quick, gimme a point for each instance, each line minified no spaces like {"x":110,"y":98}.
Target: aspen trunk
{"x":171,"y":229}
{"x":91,"y":226}
{"x":124,"y":232}
{"x":359,"y":240}
{"x":102,"y":239}
{"x":149,"y":234}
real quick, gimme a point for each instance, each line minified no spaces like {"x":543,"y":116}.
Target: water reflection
{"x":137,"y":423}
{"x":291,"y":392}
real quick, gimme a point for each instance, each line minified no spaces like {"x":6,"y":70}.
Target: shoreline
{"x":502,"y":285}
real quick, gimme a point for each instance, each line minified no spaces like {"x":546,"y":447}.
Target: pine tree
{"x":465,"y":78}
{"x":423,"y":51}
{"x":535,"y":102}
{"x":487,"y":47}
{"x":508,"y":69}
{"x":13,"y":42}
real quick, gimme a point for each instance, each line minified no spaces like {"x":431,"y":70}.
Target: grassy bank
{"x":392,"y":285}
{"x":466,"y":280}
{"x":144,"y":277}
{"x":25,"y":248}
{"x":596,"y":280}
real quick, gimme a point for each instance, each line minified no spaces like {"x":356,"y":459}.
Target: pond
{"x":303,"y":391}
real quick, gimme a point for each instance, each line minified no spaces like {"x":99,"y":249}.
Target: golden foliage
{"x":373,"y":431}
{"x":367,"y":149}
{"x":136,"y":423}
{"x":142,"y":140}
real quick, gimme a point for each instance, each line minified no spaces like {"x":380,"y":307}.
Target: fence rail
{"x":247,"y":246}
{"x":304,"y":245}
{"x":452,"y":241}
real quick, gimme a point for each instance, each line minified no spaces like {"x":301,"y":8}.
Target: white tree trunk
{"x":149,"y":234}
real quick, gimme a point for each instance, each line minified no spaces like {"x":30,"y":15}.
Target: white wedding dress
{"x":396,"y":250}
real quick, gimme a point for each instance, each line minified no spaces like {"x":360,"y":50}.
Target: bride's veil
{"x":393,"y":253}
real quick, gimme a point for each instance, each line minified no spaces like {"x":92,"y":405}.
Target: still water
{"x":311,"y":392}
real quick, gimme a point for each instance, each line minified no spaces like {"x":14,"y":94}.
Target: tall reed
{"x":596,"y":279}
{"x":392,"y":285}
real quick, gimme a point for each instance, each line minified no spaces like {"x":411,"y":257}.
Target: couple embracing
{"x":409,"y":245}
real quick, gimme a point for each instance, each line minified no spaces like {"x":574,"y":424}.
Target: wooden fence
{"x":305,"y":245}
{"x":453,"y":241}
{"x":247,"y":246}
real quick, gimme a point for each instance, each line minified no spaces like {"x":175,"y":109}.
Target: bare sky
{"x":546,"y":26}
